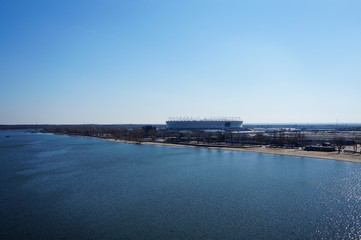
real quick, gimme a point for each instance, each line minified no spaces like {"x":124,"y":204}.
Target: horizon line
{"x":250,"y":123}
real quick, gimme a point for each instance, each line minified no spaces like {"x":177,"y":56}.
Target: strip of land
{"x":299,"y":152}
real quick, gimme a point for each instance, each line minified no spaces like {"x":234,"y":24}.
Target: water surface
{"x":61,"y":187}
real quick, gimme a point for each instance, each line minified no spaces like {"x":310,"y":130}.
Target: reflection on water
{"x":59,"y":187}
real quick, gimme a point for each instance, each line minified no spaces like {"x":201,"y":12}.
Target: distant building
{"x":221,"y":123}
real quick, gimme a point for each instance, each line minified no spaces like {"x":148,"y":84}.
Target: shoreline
{"x":296,"y":152}
{"x":345,"y":157}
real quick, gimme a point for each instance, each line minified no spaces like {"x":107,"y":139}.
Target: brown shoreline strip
{"x":346,"y":157}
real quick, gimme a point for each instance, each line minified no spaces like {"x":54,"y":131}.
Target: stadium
{"x":221,"y":123}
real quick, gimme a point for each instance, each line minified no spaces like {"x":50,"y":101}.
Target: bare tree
{"x":356,"y":143}
{"x":260,"y":139}
{"x":339,"y":143}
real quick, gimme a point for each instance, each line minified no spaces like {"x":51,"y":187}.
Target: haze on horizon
{"x":142,"y":61}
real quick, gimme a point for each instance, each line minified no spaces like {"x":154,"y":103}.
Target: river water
{"x":61,"y":187}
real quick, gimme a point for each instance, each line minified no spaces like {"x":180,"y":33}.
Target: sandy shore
{"x":349,"y":157}
{"x":343,"y":156}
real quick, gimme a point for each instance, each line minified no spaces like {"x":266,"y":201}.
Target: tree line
{"x":141,"y":133}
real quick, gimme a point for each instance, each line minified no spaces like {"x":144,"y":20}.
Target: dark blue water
{"x":60,"y":187}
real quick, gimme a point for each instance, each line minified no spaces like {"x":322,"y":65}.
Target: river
{"x":62,"y":187}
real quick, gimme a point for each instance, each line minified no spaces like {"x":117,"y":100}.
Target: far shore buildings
{"x":215,"y":123}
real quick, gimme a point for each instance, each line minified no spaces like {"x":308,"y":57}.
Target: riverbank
{"x":343,"y":156}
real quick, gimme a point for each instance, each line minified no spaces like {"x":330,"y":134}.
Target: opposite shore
{"x":343,"y":156}
{"x":298,"y":152}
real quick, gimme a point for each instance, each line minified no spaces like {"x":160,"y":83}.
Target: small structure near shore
{"x":320,"y":148}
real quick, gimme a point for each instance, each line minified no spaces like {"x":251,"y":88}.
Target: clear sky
{"x":142,"y":61}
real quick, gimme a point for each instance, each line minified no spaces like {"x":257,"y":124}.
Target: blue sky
{"x":142,"y":61}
